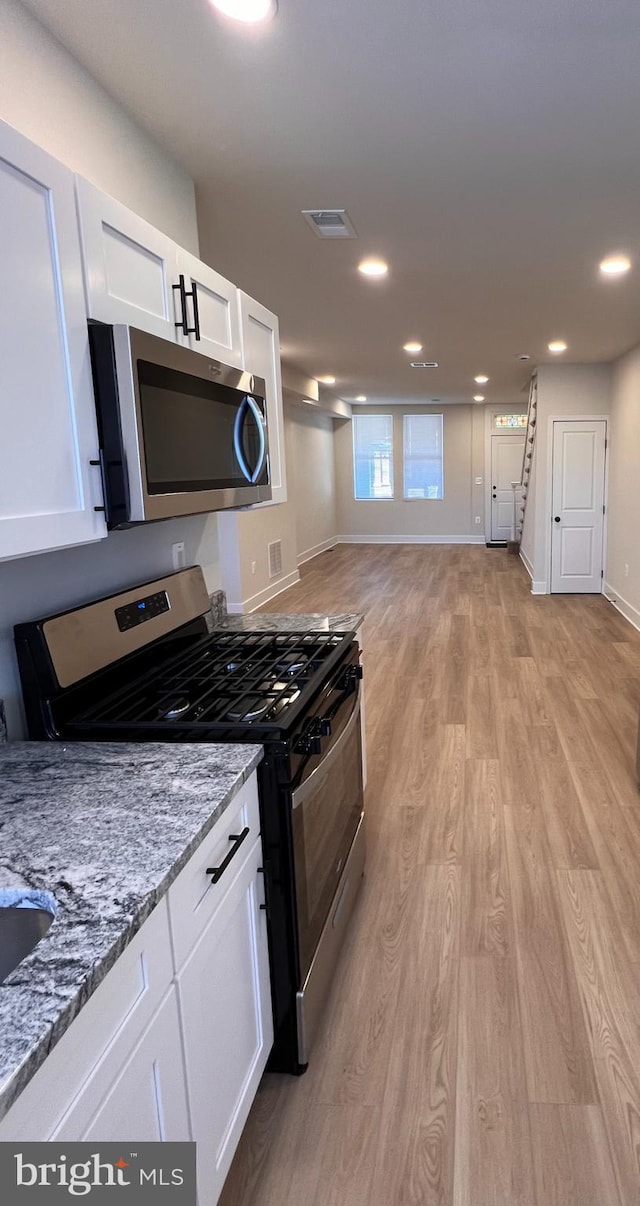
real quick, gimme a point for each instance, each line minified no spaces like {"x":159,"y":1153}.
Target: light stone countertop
{"x":343,"y":622}
{"x":106,"y":828}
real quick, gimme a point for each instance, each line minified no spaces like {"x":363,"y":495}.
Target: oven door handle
{"x":304,"y":790}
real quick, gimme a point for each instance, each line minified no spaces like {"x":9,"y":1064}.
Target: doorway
{"x":577,"y":519}
{"x":507,"y":452}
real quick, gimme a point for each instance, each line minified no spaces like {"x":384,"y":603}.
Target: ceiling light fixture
{"x":373,"y":267}
{"x":412,"y":347}
{"x":557,"y":346}
{"x":478,"y":397}
{"x":361,"y":398}
{"x":327,"y":380}
{"x":249,"y":11}
{"x":481,"y":380}
{"x":615,"y":265}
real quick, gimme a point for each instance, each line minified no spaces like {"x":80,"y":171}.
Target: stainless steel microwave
{"x":179,"y":433}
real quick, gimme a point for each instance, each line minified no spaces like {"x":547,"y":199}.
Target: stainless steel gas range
{"x":144,"y":665}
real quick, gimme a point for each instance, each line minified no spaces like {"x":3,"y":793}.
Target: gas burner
{"x":176,"y":709}
{"x":292,"y":663}
{"x":248,"y":709}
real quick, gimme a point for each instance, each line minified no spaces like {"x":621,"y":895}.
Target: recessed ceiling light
{"x":557,"y":345}
{"x":615,"y":265}
{"x":361,"y":398}
{"x":247,"y":10}
{"x":481,"y":380}
{"x":412,"y":347}
{"x":373,"y":267}
{"x":478,"y":397}
{"x":327,"y":380}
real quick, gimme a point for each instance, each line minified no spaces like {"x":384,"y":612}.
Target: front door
{"x":506,"y":467}
{"x":577,"y":520}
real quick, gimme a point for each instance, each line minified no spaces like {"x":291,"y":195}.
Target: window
{"x":423,"y":474}
{"x":373,"y":456}
{"x":509,"y":421}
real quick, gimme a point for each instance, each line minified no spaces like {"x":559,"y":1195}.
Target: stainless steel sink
{"x":20,"y":931}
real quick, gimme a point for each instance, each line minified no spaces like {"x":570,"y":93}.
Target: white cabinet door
{"x":261,"y":356}
{"x":217,"y":309}
{"x":225,"y":1006}
{"x":148,"y":1099}
{"x":48,"y":490}
{"x":130,"y":267}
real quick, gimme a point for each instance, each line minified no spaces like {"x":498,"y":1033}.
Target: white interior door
{"x":577,"y":520}
{"x":506,"y":467}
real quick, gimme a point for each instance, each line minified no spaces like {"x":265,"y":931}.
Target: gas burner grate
{"x":228,"y":678}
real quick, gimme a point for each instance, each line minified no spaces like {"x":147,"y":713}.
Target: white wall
{"x":50,"y":98}
{"x":314,"y":486}
{"x":452,"y":517}
{"x":304,"y":524}
{"x":623,"y":546}
{"x":564,"y":390}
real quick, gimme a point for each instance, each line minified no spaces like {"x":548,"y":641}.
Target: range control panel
{"x":142,"y":609}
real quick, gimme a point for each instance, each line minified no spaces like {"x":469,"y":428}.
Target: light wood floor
{"x":482,"y":1043}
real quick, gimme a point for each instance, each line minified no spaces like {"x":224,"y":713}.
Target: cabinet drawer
{"x":193,"y":898}
{"x":109,"y":1025}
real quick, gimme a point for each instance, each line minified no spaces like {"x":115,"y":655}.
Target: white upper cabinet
{"x":261,"y":355}
{"x":211,"y":311}
{"x":48,"y":489}
{"x":134,"y":274}
{"x":130,"y":267}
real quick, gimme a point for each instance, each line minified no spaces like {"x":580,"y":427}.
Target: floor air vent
{"x":275,"y":558}
{"x":330,"y":223}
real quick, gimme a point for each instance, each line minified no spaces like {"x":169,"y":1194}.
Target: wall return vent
{"x":330,"y":223}
{"x":275,"y":558}
{"x":424,"y":364}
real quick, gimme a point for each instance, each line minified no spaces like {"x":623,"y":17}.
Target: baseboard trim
{"x":527,"y":564}
{"x":316,"y":549}
{"x":410,"y":540}
{"x":263,"y":596}
{"x":537,"y":587}
{"x":625,"y":608}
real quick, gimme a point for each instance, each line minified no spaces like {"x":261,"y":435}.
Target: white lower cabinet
{"x":172,"y":1044}
{"x":147,"y":1100}
{"x":225,"y":1004}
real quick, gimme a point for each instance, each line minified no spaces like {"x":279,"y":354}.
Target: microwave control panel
{"x":141,"y":610}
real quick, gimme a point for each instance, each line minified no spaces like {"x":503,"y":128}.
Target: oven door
{"x":326,"y":812}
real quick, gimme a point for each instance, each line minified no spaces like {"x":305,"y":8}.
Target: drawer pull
{"x":237,"y":839}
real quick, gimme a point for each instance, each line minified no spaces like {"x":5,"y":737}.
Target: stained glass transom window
{"x":510,"y":421}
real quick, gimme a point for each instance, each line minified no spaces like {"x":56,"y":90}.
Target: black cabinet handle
{"x":184,"y":294}
{"x":196,"y":312}
{"x":556,"y":519}
{"x":237,"y":839}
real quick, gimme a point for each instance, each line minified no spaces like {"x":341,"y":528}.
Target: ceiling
{"x":488,"y":149}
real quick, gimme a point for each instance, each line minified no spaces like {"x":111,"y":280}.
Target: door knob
{"x":556,"y":519}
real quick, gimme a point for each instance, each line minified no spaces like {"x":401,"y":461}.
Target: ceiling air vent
{"x":424,"y":364}
{"x":275,"y":558}
{"x":330,"y":223}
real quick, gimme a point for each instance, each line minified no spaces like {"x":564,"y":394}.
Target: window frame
{"x":356,"y":418}
{"x":426,"y":414}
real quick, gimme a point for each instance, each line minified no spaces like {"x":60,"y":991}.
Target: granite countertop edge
{"x":35,"y":1012}
{"x":348,"y":621}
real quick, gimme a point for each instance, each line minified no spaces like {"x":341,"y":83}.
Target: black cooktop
{"x":225,"y":678}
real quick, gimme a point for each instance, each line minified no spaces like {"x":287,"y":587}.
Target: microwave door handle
{"x":247,"y":405}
